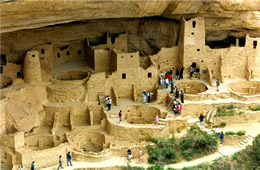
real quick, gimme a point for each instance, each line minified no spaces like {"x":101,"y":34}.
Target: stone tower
{"x":32,"y":68}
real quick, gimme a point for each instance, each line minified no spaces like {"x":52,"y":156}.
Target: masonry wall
{"x":166,"y":59}
{"x":46,"y":57}
{"x":71,"y":51}
{"x":102,"y":60}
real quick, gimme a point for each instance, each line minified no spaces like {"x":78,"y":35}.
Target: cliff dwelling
{"x":111,"y":81}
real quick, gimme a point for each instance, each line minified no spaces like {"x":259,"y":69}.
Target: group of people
{"x":167,"y":78}
{"x":195,"y":70}
{"x":69,"y":163}
{"x":108,"y":103}
{"x":147,"y":96}
{"x":130,"y":155}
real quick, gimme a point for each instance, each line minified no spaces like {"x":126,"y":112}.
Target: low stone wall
{"x":232,"y":139}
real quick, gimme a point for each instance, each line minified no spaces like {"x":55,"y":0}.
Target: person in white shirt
{"x":217,"y":131}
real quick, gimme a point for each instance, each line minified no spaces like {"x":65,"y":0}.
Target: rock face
{"x":25,"y":14}
{"x":146,"y":35}
{"x":20,"y":117}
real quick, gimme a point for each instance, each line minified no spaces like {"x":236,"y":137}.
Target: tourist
{"x":182,"y":96}
{"x":201,"y":119}
{"x":129,"y":155}
{"x":177,"y":74}
{"x":140,"y":156}
{"x":166,"y":83}
{"x":144,"y":96}
{"x":198,"y":72}
{"x":181,"y":73}
{"x":221,"y":137}
{"x":60,"y":163}
{"x":167,"y":100}
{"x":21,"y":168}
{"x":107,"y":98}
{"x":217,"y":131}
{"x":161,"y":74}
{"x":172,"y":71}
{"x":217,"y":84}
{"x":149,"y":96}
{"x":32,"y":166}
{"x":169,"y":76}
{"x":161,"y":83}
{"x":172,"y":86}
{"x":179,"y":108}
{"x":69,"y":159}
{"x":109,"y":103}
{"x":120,"y":116}
{"x":191,"y":71}
{"x":156,"y":119}
{"x":176,"y":92}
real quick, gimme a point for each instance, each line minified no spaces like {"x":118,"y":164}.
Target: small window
{"x":198,"y":49}
{"x":3,"y":59}
{"x":33,"y":55}
{"x":254,"y":44}
{"x":149,"y":75}
{"x":212,"y":71}
{"x":124,"y":76}
{"x":19,"y":75}
{"x":67,"y":53}
{"x":201,"y":61}
{"x":192,"y":33}
{"x":132,"y":56}
{"x":58,"y":55}
{"x":42,"y":51}
{"x":193,"y":24}
{"x":242,"y":41}
{"x":1,"y":69}
{"x":79,"y":52}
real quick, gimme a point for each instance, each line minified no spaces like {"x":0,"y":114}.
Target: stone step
{"x":163,"y":120}
{"x":242,"y":143}
{"x":162,"y":123}
{"x":245,"y":140}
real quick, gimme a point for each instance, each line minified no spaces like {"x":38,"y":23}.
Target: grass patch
{"x":223,"y":124}
{"x":256,"y":108}
{"x":226,"y":111}
{"x":231,"y":106}
{"x":132,"y":168}
{"x":239,"y":133}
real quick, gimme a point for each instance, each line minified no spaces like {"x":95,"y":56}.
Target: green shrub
{"x":178,"y":130}
{"x":153,"y":140}
{"x":230,"y":133}
{"x":197,"y":143}
{"x":255,"y":153}
{"x":241,"y":113}
{"x":232,"y":112}
{"x":163,"y":153}
{"x":241,"y":133}
{"x":132,"y":168}
{"x":156,"y":167}
{"x":256,"y":108}
{"x":231,"y":106}
{"x":223,"y":124}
